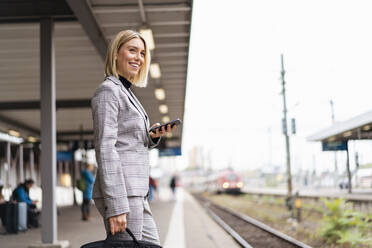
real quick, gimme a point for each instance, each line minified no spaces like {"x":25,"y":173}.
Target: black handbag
{"x":107,"y":243}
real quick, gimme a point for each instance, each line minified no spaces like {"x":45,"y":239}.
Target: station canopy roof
{"x":359,"y":127}
{"x":82,"y":31}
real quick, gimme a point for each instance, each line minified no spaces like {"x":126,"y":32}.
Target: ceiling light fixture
{"x":165,"y":119}
{"x":366,"y":128}
{"x":333,"y":138}
{"x":348,"y":133}
{"x":163,"y":109}
{"x":14,"y":133}
{"x":160,"y":94}
{"x":31,"y":139}
{"x":149,"y":38}
{"x":155,"y":70}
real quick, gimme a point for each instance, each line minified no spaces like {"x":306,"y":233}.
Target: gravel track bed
{"x":255,"y":236}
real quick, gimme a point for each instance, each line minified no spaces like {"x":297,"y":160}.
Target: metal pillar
{"x":48,"y":131}
{"x":39,"y":165}
{"x":8,"y":164}
{"x":32,"y":166}
{"x":335,"y":152}
{"x":21,"y":176}
{"x":59,"y":172}
{"x":73,"y":170}
{"x":348,"y":167}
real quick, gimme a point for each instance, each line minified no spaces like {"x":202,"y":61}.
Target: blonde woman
{"x":122,"y":141}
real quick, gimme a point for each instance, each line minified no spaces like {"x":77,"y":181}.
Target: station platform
{"x":181,"y":221}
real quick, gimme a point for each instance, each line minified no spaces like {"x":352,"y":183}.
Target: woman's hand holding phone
{"x":161,"y":131}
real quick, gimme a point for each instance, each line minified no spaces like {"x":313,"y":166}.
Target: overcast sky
{"x":233,"y":101}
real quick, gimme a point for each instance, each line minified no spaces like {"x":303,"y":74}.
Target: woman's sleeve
{"x":153,"y":142}
{"x":105,"y":109}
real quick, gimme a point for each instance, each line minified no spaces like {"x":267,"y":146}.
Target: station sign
{"x":334,"y":146}
{"x":64,"y":156}
{"x":9,"y":138}
{"x":174,"y":151}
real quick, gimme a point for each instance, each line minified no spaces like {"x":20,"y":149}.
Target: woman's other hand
{"x":163,"y":131}
{"x":118,"y":223}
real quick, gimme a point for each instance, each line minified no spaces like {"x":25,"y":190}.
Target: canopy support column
{"x":48,"y":130}
{"x":48,"y":137}
{"x":348,"y":167}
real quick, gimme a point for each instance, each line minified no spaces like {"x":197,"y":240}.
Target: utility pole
{"x":285,"y":132}
{"x":332,"y":111}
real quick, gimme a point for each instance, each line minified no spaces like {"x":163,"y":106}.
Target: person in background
{"x":2,"y":200}
{"x":152,"y":188}
{"x":2,"y":208}
{"x":173,"y":184}
{"x":21,"y":194}
{"x":88,"y":176}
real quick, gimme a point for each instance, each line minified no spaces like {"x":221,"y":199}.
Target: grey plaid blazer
{"x":122,"y":142}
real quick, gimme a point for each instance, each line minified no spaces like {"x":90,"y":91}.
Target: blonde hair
{"x":120,"y":39}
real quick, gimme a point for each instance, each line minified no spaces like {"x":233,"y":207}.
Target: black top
{"x":127,"y":85}
{"x":125,"y":82}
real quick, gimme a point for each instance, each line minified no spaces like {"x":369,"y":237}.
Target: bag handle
{"x":130,"y":234}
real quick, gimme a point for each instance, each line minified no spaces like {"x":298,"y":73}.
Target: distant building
{"x":196,"y":158}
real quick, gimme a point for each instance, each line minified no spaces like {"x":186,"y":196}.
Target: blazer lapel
{"x":141,"y":107}
{"x":132,"y":99}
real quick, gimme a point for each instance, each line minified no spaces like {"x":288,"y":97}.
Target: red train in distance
{"x":226,"y":182}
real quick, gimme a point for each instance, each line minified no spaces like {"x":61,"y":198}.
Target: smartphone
{"x":172,"y":123}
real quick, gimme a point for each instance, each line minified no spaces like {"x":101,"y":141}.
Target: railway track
{"x":247,"y":231}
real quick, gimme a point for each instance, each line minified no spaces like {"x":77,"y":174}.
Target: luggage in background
{"x":11,"y":217}
{"x":22,"y":216}
{"x":15,"y":217}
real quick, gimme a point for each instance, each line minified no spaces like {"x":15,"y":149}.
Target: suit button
{"x":105,"y":208}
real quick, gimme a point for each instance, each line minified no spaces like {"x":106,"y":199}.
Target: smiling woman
{"x":131,"y":57}
{"x":122,"y":139}
{"x":128,"y":56}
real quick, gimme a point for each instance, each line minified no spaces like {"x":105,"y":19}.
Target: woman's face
{"x":130,"y":58}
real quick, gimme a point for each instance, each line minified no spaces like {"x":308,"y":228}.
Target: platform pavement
{"x":181,"y":221}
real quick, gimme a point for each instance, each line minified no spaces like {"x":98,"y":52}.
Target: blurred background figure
{"x":22,"y":194}
{"x":88,"y":176}
{"x":2,"y":208}
{"x":2,"y":200}
{"x":153,"y":186}
{"x":173,"y":184}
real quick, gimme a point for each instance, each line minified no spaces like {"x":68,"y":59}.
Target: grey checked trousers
{"x":139,"y":221}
